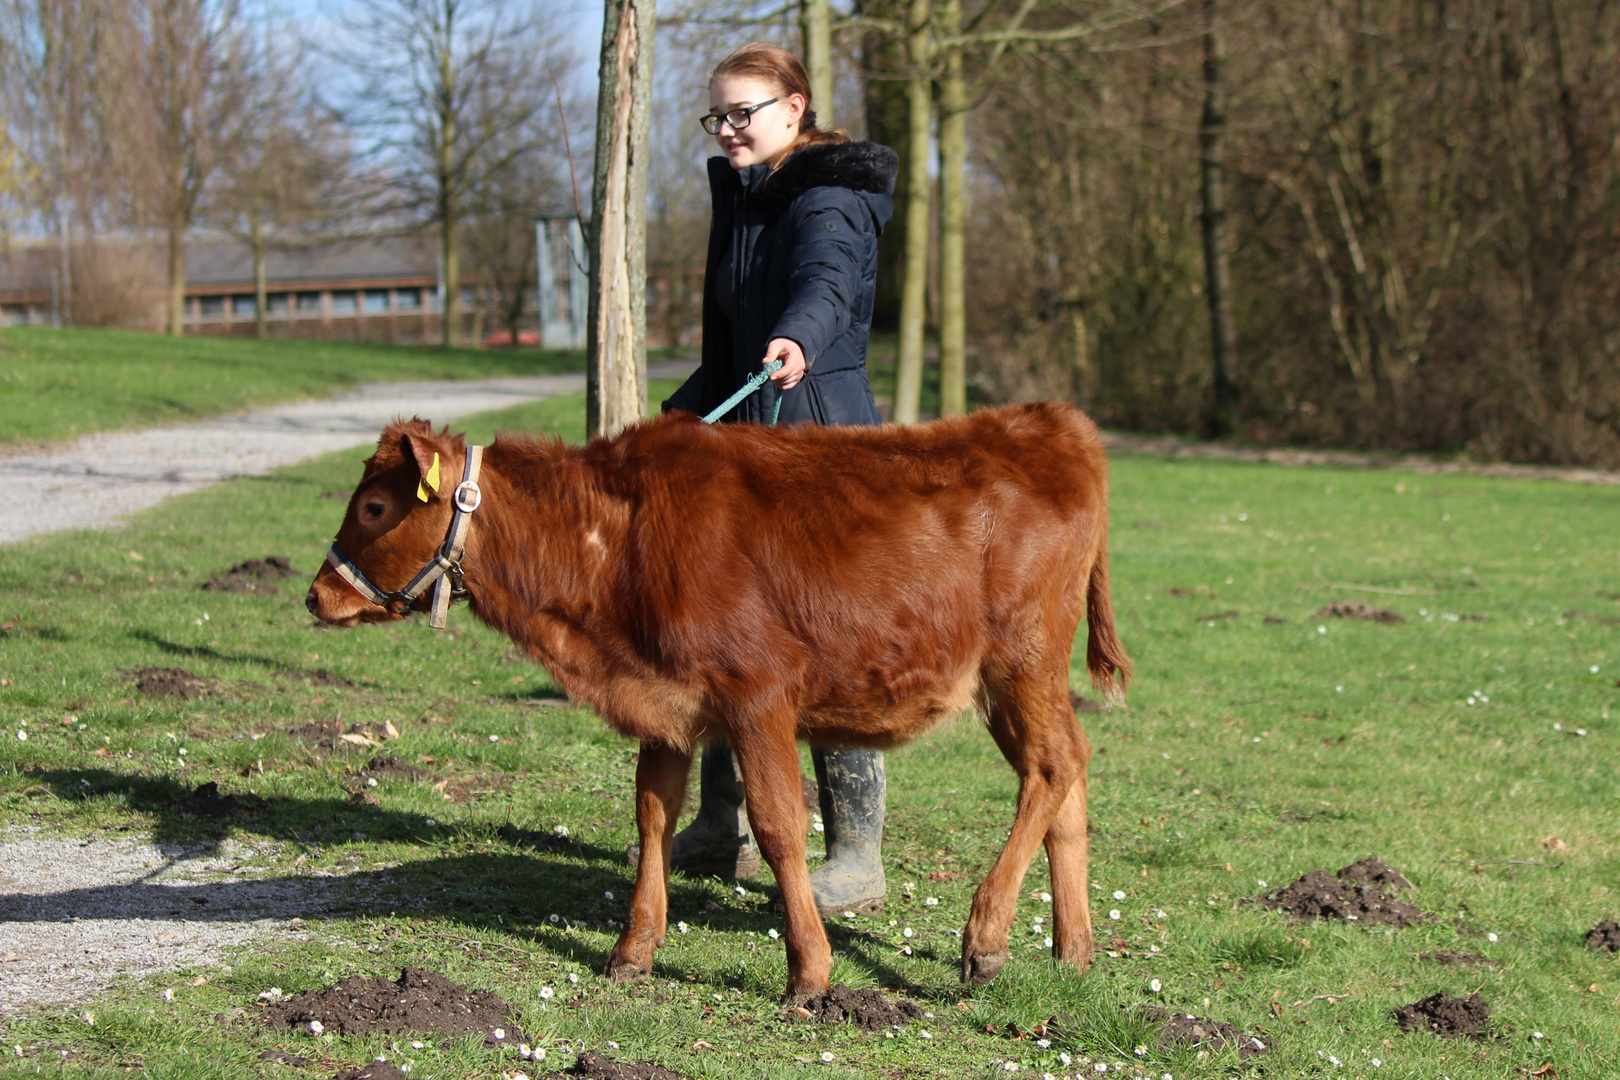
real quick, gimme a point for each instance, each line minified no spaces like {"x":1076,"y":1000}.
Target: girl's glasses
{"x":737,"y":118}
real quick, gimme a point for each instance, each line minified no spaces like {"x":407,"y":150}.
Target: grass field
{"x":60,"y":384}
{"x":1260,"y":741}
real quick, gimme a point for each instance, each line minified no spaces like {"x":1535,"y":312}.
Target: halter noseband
{"x":443,"y":572}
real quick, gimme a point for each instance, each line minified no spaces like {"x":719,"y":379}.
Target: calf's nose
{"x":309,"y":600}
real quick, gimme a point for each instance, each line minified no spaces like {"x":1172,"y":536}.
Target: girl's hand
{"x":792,"y":370}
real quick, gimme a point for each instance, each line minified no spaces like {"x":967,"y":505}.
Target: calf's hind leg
{"x":660,"y":788}
{"x":1032,"y":723}
{"x":1069,"y":852}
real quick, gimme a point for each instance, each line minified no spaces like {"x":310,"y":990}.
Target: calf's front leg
{"x":769,"y":756}
{"x":660,"y":788}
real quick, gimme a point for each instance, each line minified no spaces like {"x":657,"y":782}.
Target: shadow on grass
{"x":517,"y":892}
{"x":172,"y":648}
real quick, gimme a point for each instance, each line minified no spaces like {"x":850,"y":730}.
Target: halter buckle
{"x":469,"y":496}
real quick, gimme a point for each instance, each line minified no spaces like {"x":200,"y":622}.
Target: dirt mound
{"x":389,"y":765}
{"x":1370,"y":871}
{"x":1363,"y":892}
{"x":339,"y":736}
{"x":318,"y":677}
{"x":602,"y":1067}
{"x":256,"y":577}
{"x":1604,"y":937}
{"x":1447,"y":1016}
{"x":1184,"y":1031}
{"x":870,"y":1010}
{"x":1079,"y":703}
{"x":1467,"y":960}
{"x":170,"y":682}
{"x":418,"y":1001}
{"x":377,"y":1070}
{"x":1345,"y":609}
{"x":206,"y":801}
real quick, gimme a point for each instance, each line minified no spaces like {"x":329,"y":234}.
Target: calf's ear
{"x":426,"y":449}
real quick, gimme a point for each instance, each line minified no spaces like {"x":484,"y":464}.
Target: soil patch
{"x":207,"y":802}
{"x":256,"y":577}
{"x":170,"y":682}
{"x":377,"y":1070}
{"x":1446,"y":1016}
{"x":1079,"y":703}
{"x":602,"y":1067}
{"x":318,"y":677}
{"x":285,"y":1059}
{"x":390,"y":766}
{"x":1363,"y":892}
{"x":870,"y":1010}
{"x":419,"y":1001}
{"x":1184,"y":1031}
{"x":338,"y":736}
{"x":1345,"y":609}
{"x":1604,"y":937}
{"x":1467,"y":960}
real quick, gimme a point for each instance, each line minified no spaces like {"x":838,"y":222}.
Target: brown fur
{"x":849,"y":586}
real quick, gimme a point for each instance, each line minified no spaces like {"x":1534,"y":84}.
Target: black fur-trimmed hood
{"x":860,"y":166}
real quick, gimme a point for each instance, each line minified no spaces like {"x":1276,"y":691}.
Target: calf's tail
{"x":1110,"y":668}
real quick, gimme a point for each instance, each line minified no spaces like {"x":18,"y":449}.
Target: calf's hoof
{"x":622,"y":971}
{"x":799,"y":993}
{"x":980,"y":969}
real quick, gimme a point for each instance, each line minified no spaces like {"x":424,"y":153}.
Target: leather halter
{"x":443,"y":571}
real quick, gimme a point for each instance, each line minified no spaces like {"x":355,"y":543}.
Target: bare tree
{"x":616,"y":345}
{"x":289,"y":182}
{"x":443,"y":90}
{"x":1217,"y":262}
{"x":171,"y":112}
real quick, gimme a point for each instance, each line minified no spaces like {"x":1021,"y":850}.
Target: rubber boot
{"x":718,"y":840}
{"x":853,"y":795}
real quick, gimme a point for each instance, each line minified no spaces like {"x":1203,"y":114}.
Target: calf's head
{"x":396,"y":521}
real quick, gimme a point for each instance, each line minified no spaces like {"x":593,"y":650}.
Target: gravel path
{"x":77,"y":915}
{"x":100,"y":479}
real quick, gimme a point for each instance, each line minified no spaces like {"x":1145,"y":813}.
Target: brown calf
{"x":845,"y":586}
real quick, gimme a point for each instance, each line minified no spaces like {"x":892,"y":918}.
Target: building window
{"x":408,"y":299}
{"x":276,"y":304}
{"x":376,"y":301}
{"x":344,"y":302}
{"x":309,"y":302}
{"x":245,"y":305}
{"x":212,"y":307}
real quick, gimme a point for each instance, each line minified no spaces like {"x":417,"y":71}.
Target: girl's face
{"x":770,"y":130}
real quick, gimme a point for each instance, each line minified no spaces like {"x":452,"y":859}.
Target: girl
{"x":791,"y":275}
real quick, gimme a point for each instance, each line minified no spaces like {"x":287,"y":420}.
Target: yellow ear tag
{"x":431,"y":479}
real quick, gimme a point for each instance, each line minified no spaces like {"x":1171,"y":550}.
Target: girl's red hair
{"x":780,"y":69}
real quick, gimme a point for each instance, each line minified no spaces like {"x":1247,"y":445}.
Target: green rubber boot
{"x":718,"y":840}
{"x":853,"y":795}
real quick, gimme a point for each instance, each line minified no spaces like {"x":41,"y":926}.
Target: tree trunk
{"x":260,"y":329}
{"x":885,"y":107}
{"x":450,"y":255}
{"x":953,"y":214}
{"x":1217,"y":267}
{"x":914,"y":288}
{"x":815,"y":30}
{"x":616,"y":342}
{"x":177,"y":278}
{"x":449,"y":223}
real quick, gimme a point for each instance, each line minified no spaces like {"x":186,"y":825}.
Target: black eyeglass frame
{"x":746,"y":114}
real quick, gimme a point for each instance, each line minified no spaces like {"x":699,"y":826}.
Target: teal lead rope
{"x":748,"y":388}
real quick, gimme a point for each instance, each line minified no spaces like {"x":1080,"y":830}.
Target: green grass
{"x":1251,"y":750}
{"x":60,"y":384}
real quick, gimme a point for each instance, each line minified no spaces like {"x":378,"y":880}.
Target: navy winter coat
{"x":804,"y":250}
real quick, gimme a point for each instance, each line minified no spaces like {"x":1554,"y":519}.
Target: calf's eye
{"x":375,"y":510}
